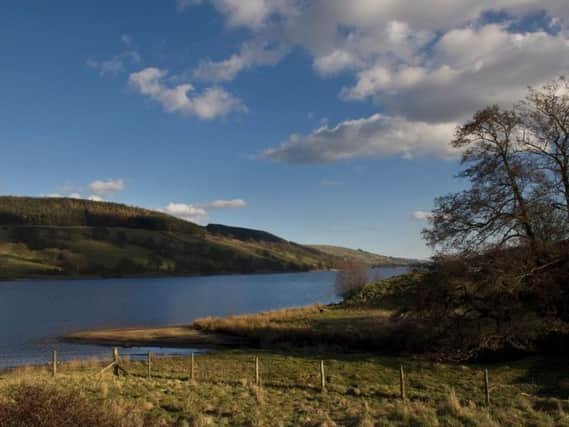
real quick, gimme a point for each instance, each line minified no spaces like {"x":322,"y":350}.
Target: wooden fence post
{"x":402,"y":391}
{"x":54,"y":363}
{"x":322,"y":377}
{"x":149,"y":363}
{"x":257,"y":376}
{"x":116,"y":362}
{"x":192,"y":368}
{"x":486,"y":389}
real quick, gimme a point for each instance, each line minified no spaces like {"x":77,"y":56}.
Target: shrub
{"x":43,"y":406}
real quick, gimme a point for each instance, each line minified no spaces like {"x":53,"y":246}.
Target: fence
{"x":239,"y":369}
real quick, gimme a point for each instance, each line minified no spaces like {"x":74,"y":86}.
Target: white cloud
{"x":224,"y":204}
{"x":211,"y":103}
{"x":335,"y":61}
{"x":422,"y":215}
{"x":104,"y":188}
{"x":186,"y":211}
{"x":375,"y":136}
{"x":430,"y":63}
{"x":469,"y":69}
{"x":253,"y":53}
{"x":253,"y":14}
{"x":198,"y":213}
{"x":95,"y":198}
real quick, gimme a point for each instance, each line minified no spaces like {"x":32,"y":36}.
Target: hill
{"x":364,"y":257}
{"x":243,"y":234}
{"x":54,"y":237}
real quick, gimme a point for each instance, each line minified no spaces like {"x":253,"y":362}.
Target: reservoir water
{"x":34,"y":313}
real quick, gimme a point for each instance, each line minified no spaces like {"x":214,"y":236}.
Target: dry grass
{"x":316,"y":326}
{"x":248,"y":322}
{"x":177,"y":336}
{"x":362,"y":391}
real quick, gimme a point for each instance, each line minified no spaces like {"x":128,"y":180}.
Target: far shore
{"x":49,"y":277}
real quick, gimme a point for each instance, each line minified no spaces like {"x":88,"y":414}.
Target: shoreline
{"x":46,"y":278}
{"x":154,"y":276}
{"x":176,"y":336}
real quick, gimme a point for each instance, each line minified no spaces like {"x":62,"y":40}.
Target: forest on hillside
{"x":80,"y":212}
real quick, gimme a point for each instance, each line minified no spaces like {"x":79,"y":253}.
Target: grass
{"x":333,"y":327}
{"x":363,"y":389}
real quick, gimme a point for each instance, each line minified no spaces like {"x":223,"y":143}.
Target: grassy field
{"x":362,"y":390}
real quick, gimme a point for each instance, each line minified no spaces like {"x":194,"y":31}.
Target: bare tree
{"x":499,"y":206}
{"x":351,"y":277}
{"x":545,"y":112}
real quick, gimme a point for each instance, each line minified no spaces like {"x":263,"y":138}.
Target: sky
{"x":322,"y":121}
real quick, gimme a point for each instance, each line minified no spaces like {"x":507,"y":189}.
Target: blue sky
{"x":315,"y":120}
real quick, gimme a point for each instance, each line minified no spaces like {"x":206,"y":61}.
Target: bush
{"x":394,"y":293}
{"x":41,"y":406}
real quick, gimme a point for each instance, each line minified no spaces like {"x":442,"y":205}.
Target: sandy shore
{"x":166,"y":336}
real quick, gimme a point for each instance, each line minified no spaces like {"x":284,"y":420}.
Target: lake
{"x":34,"y":313}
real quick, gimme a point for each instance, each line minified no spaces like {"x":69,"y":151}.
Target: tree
{"x":499,"y":280}
{"x":500,"y":204}
{"x":546,"y":116}
{"x":351,"y":277}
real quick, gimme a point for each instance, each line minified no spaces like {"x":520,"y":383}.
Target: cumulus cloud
{"x":422,"y":215}
{"x":199,"y":213}
{"x":376,"y":136}
{"x":469,"y":68}
{"x":211,"y":103}
{"x":432,"y":63}
{"x":105,"y":188}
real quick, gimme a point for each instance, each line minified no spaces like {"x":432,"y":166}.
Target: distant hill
{"x":55,"y":237}
{"x":364,"y":257}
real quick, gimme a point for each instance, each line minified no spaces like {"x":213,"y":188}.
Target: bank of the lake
{"x":34,"y":314}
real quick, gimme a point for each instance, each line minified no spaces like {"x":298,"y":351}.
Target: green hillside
{"x":364,"y":257}
{"x":55,"y":237}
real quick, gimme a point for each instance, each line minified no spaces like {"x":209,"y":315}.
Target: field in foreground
{"x":362,"y":390}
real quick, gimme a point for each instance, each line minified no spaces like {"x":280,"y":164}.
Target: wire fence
{"x":282,"y":371}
